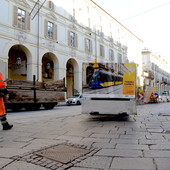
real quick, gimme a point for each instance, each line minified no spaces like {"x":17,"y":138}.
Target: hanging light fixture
{"x":70,"y":70}
{"x":18,"y":60}
{"x":48,"y":66}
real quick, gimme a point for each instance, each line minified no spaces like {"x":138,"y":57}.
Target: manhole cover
{"x":62,"y":153}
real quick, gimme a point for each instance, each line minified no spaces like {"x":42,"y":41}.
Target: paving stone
{"x":159,"y":130}
{"x":161,"y":146}
{"x":96,"y":162}
{"x":140,"y":129}
{"x":97,"y":130}
{"x":10,"y":152}
{"x":19,"y":165}
{"x":132,"y":146}
{"x":162,"y":163}
{"x":13,"y":144}
{"x":128,"y":141}
{"x":104,"y":145}
{"x":101,"y":135}
{"x":119,"y":152}
{"x":166,"y":136}
{"x":70,"y":138}
{"x":4,"y":161}
{"x":154,"y":125}
{"x":102,"y":140}
{"x":81,"y":134}
{"x":133,"y":164}
{"x":156,"y":154}
{"x":151,"y":141}
{"x":23,"y":139}
{"x":80,"y":168}
{"x":133,"y":136}
{"x":137,"y":133}
{"x":155,"y":136}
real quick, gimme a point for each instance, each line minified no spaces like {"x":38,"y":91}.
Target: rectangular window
{"x":119,"y":58}
{"x":72,"y":39}
{"x":21,"y":18}
{"x":50,"y":30}
{"x":88,"y":45}
{"x":111,"y":55}
{"x":101,"y":50}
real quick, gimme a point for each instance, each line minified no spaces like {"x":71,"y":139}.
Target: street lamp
{"x":18,"y":60}
{"x":48,"y":66}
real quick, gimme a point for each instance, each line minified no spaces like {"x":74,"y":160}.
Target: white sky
{"x":147,"y":19}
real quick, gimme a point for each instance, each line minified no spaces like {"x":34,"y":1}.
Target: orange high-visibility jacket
{"x":2,"y":107}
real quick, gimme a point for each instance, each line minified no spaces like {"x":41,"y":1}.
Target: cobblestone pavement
{"x":141,"y":143}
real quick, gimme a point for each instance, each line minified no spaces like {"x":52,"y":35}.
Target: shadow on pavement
{"x":105,"y":117}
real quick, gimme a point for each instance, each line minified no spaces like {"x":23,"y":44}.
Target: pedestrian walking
{"x":3,"y":93}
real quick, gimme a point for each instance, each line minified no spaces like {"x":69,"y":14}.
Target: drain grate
{"x":62,"y":153}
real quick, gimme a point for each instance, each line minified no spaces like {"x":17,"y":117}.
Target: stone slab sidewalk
{"x":141,"y":143}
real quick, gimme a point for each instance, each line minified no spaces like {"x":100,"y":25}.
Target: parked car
{"x":164,"y":97}
{"x":75,"y":100}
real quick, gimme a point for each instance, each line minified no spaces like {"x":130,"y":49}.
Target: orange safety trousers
{"x":2,"y":107}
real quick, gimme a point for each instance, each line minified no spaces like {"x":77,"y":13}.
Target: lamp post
{"x":38,"y":34}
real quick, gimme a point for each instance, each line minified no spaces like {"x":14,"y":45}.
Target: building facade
{"x":156,"y":71}
{"x":51,"y":40}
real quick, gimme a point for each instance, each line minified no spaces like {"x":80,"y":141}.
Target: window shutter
{"x":90,"y":46}
{"x":45,"y":28}
{"x":15,"y":16}
{"x":85,"y":46}
{"x":55,"y":32}
{"x":69,"y":38}
{"x":76,"y":39}
{"x":28,"y":22}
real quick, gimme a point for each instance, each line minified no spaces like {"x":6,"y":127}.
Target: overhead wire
{"x":149,"y":10}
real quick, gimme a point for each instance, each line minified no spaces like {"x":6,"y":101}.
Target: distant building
{"x":156,"y":71}
{"x":52,"y":40}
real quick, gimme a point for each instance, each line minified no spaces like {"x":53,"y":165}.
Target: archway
{"x":72,"y":77}
{"x":17,"y":63}
{"x":47,"y":67}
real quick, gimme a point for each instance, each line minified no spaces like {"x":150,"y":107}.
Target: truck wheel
{"x":49,"y":105}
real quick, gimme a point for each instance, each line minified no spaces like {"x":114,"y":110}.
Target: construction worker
{"x":153,"y":98}
{"x":3,"y":93}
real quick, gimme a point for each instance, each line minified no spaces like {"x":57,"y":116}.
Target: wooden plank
{"x":27,"y":96}
{"x":46,"y":96}
{"x":53,"y":85}
{"x":20,"y":96}
{"x":23,"y":83}
{"x":58,"y":84}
